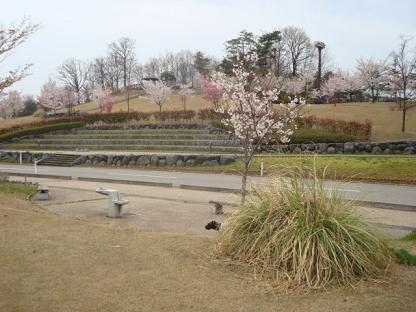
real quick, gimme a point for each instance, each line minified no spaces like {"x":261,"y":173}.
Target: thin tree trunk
{"x":404,"y":114}
{"x":244,"y":182}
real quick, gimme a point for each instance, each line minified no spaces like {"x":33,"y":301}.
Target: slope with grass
{"x":386,"y":119}
{"x":52,"y":263}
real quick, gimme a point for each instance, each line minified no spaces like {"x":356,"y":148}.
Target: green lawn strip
{"x":401,"y":169}
{"x":18,"y":190}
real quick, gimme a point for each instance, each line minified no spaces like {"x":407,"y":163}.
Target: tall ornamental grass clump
{"x":300,"y":234}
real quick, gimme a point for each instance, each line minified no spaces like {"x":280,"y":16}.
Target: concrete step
{"x":187,"y":148}
{"x":144,"y":131}
{"x":166,"y":136}
{"x":59,"y":160}
{"x":122,"y":142}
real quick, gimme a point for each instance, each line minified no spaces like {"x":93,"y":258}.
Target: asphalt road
{"x":370,"y":192}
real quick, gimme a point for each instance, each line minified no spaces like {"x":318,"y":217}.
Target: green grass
{"x":18,"y":190}
{"x":371,"y":168}
{"x":402,"y":256}
{"x":411,"y":237}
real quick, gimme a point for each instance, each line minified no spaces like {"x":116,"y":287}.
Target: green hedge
{"x":317,"y":136}
{"x":40,"y":130}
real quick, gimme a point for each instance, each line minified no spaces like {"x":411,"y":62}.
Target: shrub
{"x":39,"y":130}
{"x":317,"y":136}
{"x":298,"y":234}
{"x":360,"y":131}
{"x":174,"y":115}
{"x":210,"y":114}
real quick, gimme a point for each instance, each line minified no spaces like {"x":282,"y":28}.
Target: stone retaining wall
{"x":375,"y":148}
{"x":130,"y":160}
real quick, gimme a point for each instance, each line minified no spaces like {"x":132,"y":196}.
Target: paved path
{"x":379,"y":193}
{"x":177,"y":210}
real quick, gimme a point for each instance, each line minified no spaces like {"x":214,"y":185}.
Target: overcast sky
{"x":83,"y":29}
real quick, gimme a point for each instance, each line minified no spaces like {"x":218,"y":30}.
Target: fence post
{"x":261,"y":169}
{"x":20,"y":158}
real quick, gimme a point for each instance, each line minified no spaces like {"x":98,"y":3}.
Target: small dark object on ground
{"x":213,"y":225}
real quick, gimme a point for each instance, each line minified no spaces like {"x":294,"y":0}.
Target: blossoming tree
{"x":248,"y":105}
{"x":334,"y":86}
{"x":373,"y":75}
{"x":158,"y":91}
{"x":104,"y":99}
{"x":11,"y":105}
{"x":211,"y":92}
{"x":184,"y":93}
{"x":50,"y":96}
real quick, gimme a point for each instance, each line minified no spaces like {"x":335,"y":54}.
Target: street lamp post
{"x":320,"y":46}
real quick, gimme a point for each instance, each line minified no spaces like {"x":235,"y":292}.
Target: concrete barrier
{"x":115,"y":181}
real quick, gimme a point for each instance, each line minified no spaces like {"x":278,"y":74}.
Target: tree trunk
{"x":404,"y":116}
{"x":128,"y":101}
{"x":372,"y":95}
{"x":244,"y":182}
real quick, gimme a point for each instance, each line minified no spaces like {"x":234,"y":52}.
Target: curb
{"x":157,"y":184}
{"x":389,"y":206}
{"x":39,"y":175}
{"x":209,"y":189}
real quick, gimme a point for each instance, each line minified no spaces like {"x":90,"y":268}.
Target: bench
{"x":115,"y":202}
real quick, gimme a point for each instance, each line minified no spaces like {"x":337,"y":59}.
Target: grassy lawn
{"x":386,"y":122}
{"x":53,"y":263}
{"x":18,"y":190}
{"x":399,"y":169}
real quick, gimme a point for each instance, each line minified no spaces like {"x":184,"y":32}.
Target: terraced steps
{"x":62,"y":160}
{"x":187,"y":140}
{"x":148,"y":148}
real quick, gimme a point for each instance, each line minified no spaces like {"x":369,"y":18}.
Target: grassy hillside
{"x":386,"y":121}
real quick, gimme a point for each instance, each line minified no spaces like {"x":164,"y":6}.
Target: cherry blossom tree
{"x":300,"y":85}
{"x":353,"y":84}
{"x":68,"y":97}
{"x":334,"y":85}
{"x":184,"y":93}
{"x":11,"y":37}
{"x":11,"y":105}
{"x":50,"y":96}
{"x":373,"y":75}
{"x":212,"y":92}
{"x":104,"y":99}
{"x":293,"y":86}
{"x":403,"y":75}
{"x":248,"y":106}
{"x":158,"y":92}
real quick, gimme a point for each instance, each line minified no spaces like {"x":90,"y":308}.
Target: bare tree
{"x":99,"y":71}
{"x":74,"y":73}
{"x":403,"y":76}
{"x":114,"y":72}
{"x":152,"y":68}
{"x":123,"y":49}
{"x":10,"y":38}
{"x":298,"y":46}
